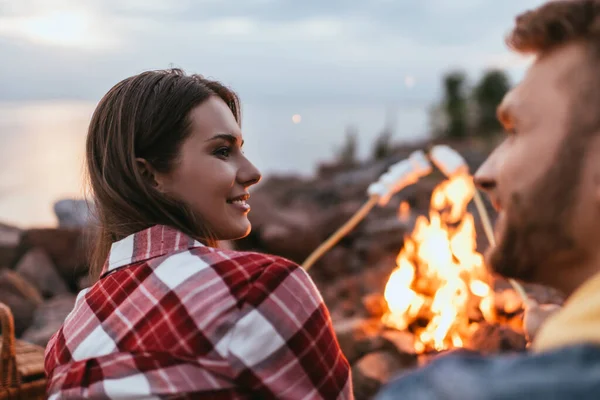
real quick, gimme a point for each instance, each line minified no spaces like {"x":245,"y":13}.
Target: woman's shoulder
{"x":263,"y":272}
{"x":250,"y":261}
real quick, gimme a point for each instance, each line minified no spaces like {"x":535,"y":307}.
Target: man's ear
{"x":154,"y":178}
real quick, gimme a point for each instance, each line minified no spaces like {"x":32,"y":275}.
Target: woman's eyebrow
{"x":226,"y":136}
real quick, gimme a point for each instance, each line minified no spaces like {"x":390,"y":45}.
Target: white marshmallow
{"x":420,"y":163}
{"x":376,"y":189}
{"x":448,"y":160}
{"x":400,"y":175}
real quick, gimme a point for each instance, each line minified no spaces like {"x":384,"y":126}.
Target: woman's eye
{"x":223,"y":152}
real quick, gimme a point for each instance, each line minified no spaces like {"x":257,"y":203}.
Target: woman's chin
{"x":236,"y":231}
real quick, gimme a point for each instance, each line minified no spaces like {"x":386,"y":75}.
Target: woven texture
{"x":21,"y":364}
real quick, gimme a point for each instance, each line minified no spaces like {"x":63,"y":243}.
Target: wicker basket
{"x":21,"y":364}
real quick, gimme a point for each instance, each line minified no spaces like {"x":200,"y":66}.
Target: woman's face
{"x":212,"y":175}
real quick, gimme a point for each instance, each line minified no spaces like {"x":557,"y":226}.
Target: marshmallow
{"x":421,"y":164}
{"x":376,"y":189}
{"x":400,"y":175}
{"x":448,"y":160}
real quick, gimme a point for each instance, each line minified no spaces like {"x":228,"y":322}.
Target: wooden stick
{"x":341,"y":232}
{"x":489,"y":232}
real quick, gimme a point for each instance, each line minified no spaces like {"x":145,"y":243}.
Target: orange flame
{"x":439,"y":272}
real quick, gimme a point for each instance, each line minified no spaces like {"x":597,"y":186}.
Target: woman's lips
{"x":240,"y":205}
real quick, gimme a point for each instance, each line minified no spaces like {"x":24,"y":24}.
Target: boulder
{"x":73,"y":213}
{"x":37,"y":267}
{"x":288,"y":233}
{"x":494,"y":339}
{"x":10,"y":238}
{"x":21,"y":297}
{"x":364,"y":387}
{"x":48,"y":319}
{"x":67,"y":248}
{"x":382,"y":365}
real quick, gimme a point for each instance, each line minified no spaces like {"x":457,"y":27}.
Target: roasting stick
{"x":451,"y":163}
{"x":341,"y":232}
{"x":397,"y":177}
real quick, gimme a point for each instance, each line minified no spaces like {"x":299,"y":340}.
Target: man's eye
{"x":223,"y":152}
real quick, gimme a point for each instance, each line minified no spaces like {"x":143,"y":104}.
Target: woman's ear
{"x":155,"y":179}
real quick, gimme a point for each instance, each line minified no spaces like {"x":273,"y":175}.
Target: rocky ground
{"x":41,"y":270}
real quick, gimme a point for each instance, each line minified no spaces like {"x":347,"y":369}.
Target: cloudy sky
{"x":335,"y":63}
{"x":268,"y":50}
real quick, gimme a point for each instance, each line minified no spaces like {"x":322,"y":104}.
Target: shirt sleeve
{"x":283,"y":346}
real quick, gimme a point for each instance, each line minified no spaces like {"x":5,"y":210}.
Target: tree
{"x":347,"y":153}
{"x":383,"y":145}
{"x":488,"y":94}
{"x":455,"y":104}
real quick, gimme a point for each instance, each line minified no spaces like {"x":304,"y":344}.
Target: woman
{"x":173,"y":316}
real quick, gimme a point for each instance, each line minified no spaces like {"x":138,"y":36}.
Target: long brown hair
{"x":145,"y":116}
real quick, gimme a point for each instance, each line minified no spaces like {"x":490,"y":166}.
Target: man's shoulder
{"x":568,"y":373}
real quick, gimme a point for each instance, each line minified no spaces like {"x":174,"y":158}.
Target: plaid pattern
{"x":172,"y":318}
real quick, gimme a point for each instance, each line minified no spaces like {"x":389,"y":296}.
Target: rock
{"x":375,"y":276}
{"x":381,"y":366}
{"x":48,"y":319}
{"x":508,"y":301}
{"x":544,"y":295}
{"x":540,"y":293}
{"x":365,"y":388}
{"x":21,"y":296}
{"x":494,"y":339}
{"x":66,"y":248}
{"x":290,"y":233}
{"x":73,"y":213}
{"x":375,"y":305}
{"x":359,"y":337}
{"x":10,"y":238}
{"x":331,"y":265}
{"x":38,"y":269}
{"x":403,"y":340}
{"x":535,"y":316}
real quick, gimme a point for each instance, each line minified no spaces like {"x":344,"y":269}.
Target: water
{"x":42,"y":146}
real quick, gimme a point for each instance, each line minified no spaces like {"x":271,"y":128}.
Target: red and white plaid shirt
{"x":172,"y":318}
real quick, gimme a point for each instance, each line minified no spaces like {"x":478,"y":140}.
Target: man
{"x":545,"y":181}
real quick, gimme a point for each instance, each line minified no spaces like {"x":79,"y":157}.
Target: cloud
{"x":337,"y":50}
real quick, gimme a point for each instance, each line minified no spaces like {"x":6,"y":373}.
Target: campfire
{"x":440,"y":290}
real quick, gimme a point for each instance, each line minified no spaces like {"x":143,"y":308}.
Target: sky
{"x":334,"y":51}
{"x":305,"y":70}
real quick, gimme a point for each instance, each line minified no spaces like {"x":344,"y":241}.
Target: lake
{"x":42,"y":145}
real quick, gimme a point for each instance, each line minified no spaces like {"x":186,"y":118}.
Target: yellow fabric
{"x":576,"y":323}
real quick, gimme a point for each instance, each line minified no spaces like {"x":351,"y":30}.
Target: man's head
{"x":545,"y":177}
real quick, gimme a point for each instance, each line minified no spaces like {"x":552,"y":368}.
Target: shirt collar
{"x":153,"y":242}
